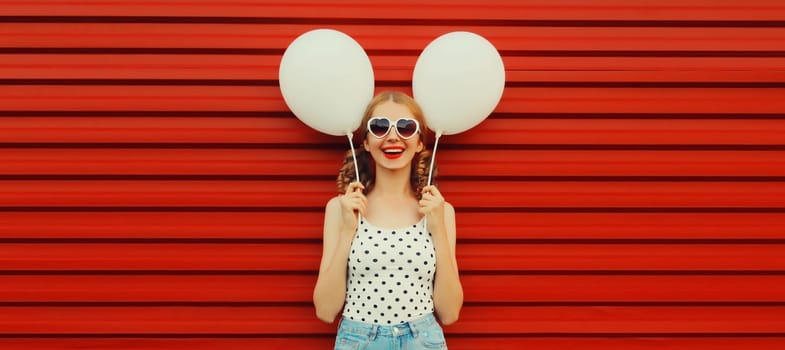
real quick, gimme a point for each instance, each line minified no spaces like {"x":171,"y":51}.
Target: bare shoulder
{"x":334,"y":204}
{"x":449,"y":219}
{"x":449,"y":214}
{"x":449,"y":222}
{"x":332,"y":224}
{"x":332,"y":216}
{"x":449,"y":209}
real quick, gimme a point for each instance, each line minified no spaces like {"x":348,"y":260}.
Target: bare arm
{"x":447,"y":289}
{"x":340,"y":223}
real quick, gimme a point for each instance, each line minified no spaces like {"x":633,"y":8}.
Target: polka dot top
{"x":390,"y":274}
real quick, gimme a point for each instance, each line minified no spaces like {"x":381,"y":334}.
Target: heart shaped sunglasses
{"x":405,"y":127}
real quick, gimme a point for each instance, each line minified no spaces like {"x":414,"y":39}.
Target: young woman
{"x":388,"y":259}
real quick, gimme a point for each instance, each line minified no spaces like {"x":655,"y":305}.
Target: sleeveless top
{"x":390,"y":274}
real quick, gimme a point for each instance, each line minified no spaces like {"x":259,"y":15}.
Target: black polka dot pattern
{"x":398,"y":267}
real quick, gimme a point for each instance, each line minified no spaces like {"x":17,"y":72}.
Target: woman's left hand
{"x":432,"y":206}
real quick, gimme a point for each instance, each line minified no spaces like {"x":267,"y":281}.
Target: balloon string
{"x":433,"y":156}
{"x":356,"y":168}
{"x":430,"y":171}
{"x":354,"y":157}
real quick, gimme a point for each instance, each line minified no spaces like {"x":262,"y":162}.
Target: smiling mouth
{"x":393,"y":153}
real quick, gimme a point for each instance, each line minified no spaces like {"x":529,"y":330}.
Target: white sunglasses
{"x":405,"y":127}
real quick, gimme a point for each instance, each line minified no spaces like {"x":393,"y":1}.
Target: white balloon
{"x":458,"y":81}
{"x":326,"y":79}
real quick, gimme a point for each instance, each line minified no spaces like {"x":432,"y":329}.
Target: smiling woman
{"x":157,"y":193}
{"x":393,"y":266}
{"x":383,"y":110}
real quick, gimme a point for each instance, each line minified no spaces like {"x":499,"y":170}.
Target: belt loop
{"x":374,"y":331}
{"x":422,"y":324}
{"x":413,"y":329}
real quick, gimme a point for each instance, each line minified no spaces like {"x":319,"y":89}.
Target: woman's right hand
{"x":352,"y":202}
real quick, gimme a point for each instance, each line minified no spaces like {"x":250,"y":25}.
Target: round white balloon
{"x":458,"y":81}
{"x":326,"y":79}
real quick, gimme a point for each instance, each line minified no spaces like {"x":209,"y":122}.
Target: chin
{"x":397,"y":164}
{"x":393,"y":167}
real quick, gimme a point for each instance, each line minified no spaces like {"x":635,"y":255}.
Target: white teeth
{"x":393,"y":151}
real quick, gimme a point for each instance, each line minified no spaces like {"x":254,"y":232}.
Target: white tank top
{"x":390,"y":274}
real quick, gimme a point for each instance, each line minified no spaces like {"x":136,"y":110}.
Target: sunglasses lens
{"x":379,"y":127}
{"x":406,"y":127}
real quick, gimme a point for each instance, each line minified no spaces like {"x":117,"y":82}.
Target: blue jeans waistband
{"x":372,"y":330}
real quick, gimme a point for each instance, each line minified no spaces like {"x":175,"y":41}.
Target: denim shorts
{"x":422,"y":333}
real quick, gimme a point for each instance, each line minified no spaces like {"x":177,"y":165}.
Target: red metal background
{"x":627,"y":193}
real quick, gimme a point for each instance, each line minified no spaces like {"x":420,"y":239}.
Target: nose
{"x":393,"y":134}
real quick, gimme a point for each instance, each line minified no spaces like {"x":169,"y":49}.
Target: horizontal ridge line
{"x":387,"y":52}
{"x":397,"y":21}
{"x":331,"y":335}
{"x":477,"y":241}
{"x":389,"y":83}
{"x":461,"y":209}
{"x":329,"y":177}
{"x":289,"y":114}
{"x":163,"y":272}
{"x":207,"y":304}
{"x":446,"y":145}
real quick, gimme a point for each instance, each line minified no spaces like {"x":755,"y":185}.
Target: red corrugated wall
{"x":628,"y":192}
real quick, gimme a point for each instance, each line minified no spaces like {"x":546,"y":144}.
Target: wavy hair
{"x":366,"y":164}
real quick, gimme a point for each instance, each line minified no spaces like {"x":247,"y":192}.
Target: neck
{"x":393,"y":182}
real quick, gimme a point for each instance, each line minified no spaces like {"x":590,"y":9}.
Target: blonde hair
{"x":365,"y":163}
